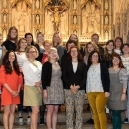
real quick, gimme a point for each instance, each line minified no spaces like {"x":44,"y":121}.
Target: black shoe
{"x":41,"y":122}
{"x":90,"y":121}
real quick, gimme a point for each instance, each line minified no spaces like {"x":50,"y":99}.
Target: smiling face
{"x":115,"y":60}
{"x":125,"y":49}
{"x":53,"y":55}
{"x":95,"y":39}
{"x":110,"y":46}
{"x":29,"y":39}
{"x":47,"y":46}
{"x":32,"y":54}
{"x":95,"y":58}
{"x":13,"y":34}
{"x":74,"y":37}
{"x":23,"y":44}
{"x":118,"y":43}
{"x":40,"y":38}
{"x":56,"y":39}
{"x":74,"y":52}
{"x":11,"y":57}
{"x":90,"y":48}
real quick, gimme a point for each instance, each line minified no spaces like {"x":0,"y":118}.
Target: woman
{"x":21,"y":58}
{"x":118,"y":45}
{"x":74,"y":77}
{"x":12,"y":38}
{"x":108,"y":52}
{"x":75,"y":38}
{"x":11,"y":87}
{"x":90,"y":46}
{"x":32,"y":77}
{"x":52,"y":88}
{"x":29,"y":39}
{"x":57,"y":43}
{"x":97,"y":88}
{"x":118,"y":86}
{"x":43,"y":57}
{"x":40,"y":41}
{"x":125,"y":61}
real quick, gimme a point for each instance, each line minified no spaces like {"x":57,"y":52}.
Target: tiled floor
{"x":61,"y":122}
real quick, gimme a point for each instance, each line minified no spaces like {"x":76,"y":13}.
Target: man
{"x":95,"y":39}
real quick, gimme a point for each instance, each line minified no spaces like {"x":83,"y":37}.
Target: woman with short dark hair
{"x":74,"y":77}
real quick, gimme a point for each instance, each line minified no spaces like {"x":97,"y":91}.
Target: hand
{"x":107,"y":94}
{"x":45,"y":94}
{"x":14,"y":93}
{"x":86,"y":96}
{"x":123,"y":97}
{"x":73,"y":89}
{"x":37,"y":84}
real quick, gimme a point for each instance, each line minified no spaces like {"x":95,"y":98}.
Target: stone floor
{"x":61,"y":122}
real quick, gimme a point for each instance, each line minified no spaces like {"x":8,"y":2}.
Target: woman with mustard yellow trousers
{"x":97,"y":88}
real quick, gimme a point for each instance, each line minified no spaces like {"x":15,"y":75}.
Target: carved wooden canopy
{"x":18,"y":1}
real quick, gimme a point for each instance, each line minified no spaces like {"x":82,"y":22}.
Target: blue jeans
{"x":20,"y":106}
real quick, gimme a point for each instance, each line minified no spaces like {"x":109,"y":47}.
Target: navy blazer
{"x":77,"y":78}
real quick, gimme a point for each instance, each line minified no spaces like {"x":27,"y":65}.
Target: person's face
{"x":125,"y":49}
{"x":95,"y":58}
{"x":115,"y":61}
{"x":40,"y":38}
{"x":90,"y":48}
{"x":74,"y":53}
{"x":13,"y":34}
{"x":47,"y":46}
{"x":1,"y":40}
{"x":118,"y":43}
{"x":29,"y":39}
{"x":11,"y":57}
{"x":95,"y":39}
{"x":53,"y":55}
{"x":23,"y":44}
{"x":70,"y":45}
{"x":73,"y":37}
{"x":56,"y":38}
{"x":110,"y":46}
{"x":31,"y":53}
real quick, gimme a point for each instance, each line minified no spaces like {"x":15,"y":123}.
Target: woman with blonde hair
{"x":57,"y":43}
{"x":32,"y":85}
{"x":52,"y":87}
{"x":90,"y":46}
{"x":11,"y":40}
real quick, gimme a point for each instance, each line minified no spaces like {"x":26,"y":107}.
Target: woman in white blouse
{"x":32,"y":76}
{"x":97,"y":88}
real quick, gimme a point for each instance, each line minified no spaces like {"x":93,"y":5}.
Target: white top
{"x":74,"y":66}
{"x":94,"y":83}
{"x":118,"y":51}
{"x":126,"y":63}
{"x":32,"y":74}
{"x":21,"y":58}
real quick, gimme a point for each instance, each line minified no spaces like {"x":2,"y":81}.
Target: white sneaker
{"x":28,"y":120}
{"x":20,"y":121}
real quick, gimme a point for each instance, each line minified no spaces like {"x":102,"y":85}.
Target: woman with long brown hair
{"x":11,"y":40}
{"x":11,"y":80}
{"x":74,"y":77}
{"x":118,"y":86}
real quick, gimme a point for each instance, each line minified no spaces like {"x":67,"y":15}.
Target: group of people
{"x":46,"y":74}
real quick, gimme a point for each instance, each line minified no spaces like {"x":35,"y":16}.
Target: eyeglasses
{"x":115,"y":58}
{"x":95,"y":56}
{"x":31,"y":52}
{"x":73,"y":51}
{"x":53,"y":52}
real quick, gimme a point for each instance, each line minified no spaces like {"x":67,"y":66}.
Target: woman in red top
{"x":11,"y":80}
{"x":43,"y":57}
